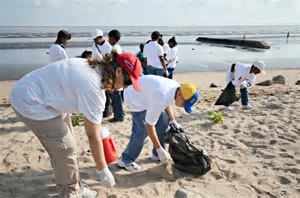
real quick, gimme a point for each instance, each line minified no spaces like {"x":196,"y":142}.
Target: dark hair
{"x":173,"y":40}
{"x":115,"y":34}
{"x":160,"y":41}
{"x":141,"y":46}
{"x":63,"y":34}
{"x":86,"y":53}
{"x":155,"y":35}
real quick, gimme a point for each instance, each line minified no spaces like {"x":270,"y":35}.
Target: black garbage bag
{"x":186,"y":156}
{"x":228,"y":96}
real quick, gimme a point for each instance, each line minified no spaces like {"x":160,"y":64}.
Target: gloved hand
{"x":243,"y":85}
{"x":167,"y":73}
{"x":106,"y":178}
{"x":163,"y":155}
{"x":175,"y":124}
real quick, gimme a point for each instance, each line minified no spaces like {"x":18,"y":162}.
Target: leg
{"x":138,"y":135}
{"x":108,"y":107}
{"x":117,"y":106}
{"x":244,"y":96}
{"x":150,"y":70}
{"x":171,"y":70}
{"x":161,"y":130}
{"x":60,"y":144}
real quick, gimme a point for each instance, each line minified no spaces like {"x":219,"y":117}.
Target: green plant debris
{"x":215,"y":117}
{"x":76,"y":120}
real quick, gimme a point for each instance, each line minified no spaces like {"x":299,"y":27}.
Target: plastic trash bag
{"x":228,"y":96}
{"x":186,"y":156}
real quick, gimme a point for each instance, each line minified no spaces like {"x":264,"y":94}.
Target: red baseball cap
{"x":132,"y":66}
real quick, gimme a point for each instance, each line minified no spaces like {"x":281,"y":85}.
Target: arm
{"x":93,"y":133}
{"x":153,"y":136}
{"x":170,"y":113}
{"x":162,"y":60}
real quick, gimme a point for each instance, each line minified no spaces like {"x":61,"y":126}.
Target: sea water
{"x":23,"y":49}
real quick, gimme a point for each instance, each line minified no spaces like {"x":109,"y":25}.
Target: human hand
{"x":163,"y":155}
{"x":175,"y":124}
{"x":106,"y":178}
{"x":243,"y":85}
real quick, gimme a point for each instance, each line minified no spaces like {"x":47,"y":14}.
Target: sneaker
{"x":248,"y":106}
{"x":228,"y":108}
{"x":130,"y":166}
{"x":155,"y":158}
{"x":86,"y":192}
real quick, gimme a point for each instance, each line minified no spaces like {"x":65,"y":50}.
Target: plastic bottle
{"x":108,"y":145}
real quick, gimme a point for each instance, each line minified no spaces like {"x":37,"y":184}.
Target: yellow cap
{"x":187,"y":90}
{"x":190,"y":95}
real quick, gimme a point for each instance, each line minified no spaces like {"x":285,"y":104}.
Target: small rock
{"x":298,"y":82}
{"x":213,"y":85}
{"x":265,"y":83}
{"x":279,"y":80}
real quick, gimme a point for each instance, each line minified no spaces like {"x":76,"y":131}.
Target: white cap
{"x":96,"y":33}
{"x":260,"y":65}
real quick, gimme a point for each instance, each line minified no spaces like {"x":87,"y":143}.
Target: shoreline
{"x":199,"y":78}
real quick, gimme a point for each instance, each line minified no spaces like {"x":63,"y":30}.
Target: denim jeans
{"x":155,"y":71}
{"x":139,"y":134}
{"x":170,"y":70}
{"x":244,"y":96}
{"x":117,"y":105}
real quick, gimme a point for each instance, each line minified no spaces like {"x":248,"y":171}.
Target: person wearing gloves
{"x":243,"y":76}
{"x":154,"y":57}
{"x":57,"y":50}
{"x":151,"y":115}
{"x":43,"y":97}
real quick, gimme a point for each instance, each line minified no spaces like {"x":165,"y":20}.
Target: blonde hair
{"x":108,"y":68}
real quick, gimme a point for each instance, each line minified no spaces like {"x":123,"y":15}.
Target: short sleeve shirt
{"x":66,"y":86}
{"x":156,"y":93}
{"x":57,"y":53}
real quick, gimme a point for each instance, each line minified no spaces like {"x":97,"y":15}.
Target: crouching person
{"x":151,"y":115}
{"x":243,"y":76}
{"x":43,"y":97}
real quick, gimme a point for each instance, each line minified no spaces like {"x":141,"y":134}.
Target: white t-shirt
{"x":166,"y":48}
{"x":156,"y":93}
{"x":152,"y":51}
{"x":103,"y":49}
{"x":66,"y":86}
{"x":240,"y":75}
{"x":172,"y":57}
{"x":57,"y":53}
{"x":117,"y":48}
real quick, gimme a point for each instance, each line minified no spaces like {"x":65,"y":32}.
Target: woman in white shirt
{"x":57,"y":50}
{"x":43,"y":97}
{"x":172,"y":56}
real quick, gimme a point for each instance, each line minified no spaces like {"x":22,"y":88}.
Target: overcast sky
{"x":148,"y":12}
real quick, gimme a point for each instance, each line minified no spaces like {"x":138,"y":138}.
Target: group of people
{"x":45,"y":98}
{"x":157,"y":57}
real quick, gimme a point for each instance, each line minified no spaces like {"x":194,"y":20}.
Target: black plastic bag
{"x":228,"y":96}
{"x":186,"y":156}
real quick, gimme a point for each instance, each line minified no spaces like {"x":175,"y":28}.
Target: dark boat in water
{"x":244,"y":43}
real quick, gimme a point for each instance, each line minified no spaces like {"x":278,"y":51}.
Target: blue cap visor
{"x":190,"y":102}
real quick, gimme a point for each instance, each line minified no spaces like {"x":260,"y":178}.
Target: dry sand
{"x":255,"y":153}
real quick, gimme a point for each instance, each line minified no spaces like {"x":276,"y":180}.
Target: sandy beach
{"x":255,"y":153}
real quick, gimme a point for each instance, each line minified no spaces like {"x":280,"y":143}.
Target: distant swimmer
{"x":287,"y":36}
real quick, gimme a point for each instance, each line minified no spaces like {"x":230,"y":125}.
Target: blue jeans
{"x":244,"y":96}
{"x":117,"y":105}
{"x":170,"y":70}
{"x":139,"y":134}
{"x":155,"y":71}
